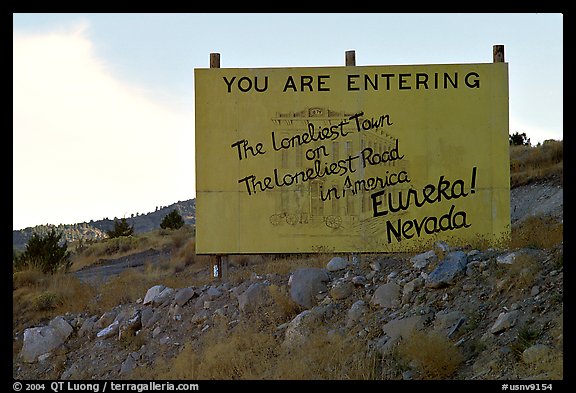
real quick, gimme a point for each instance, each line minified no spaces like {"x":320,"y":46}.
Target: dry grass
{"x":516,"y":279}
{"x":249,"y":352}
{"x":37,"y":298}
{"x":434,"y":356}
{"x":524,"y":272}
{"x":327,"y":357}
{"x":537,"y":232}
{"x":285,"y":308}
{"x":528,"y":164}
{"x":125,"y":245}
{"x":132,"y":284}
{"x":287,"y":265}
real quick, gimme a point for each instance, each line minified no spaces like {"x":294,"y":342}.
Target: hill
{"x":96,"y":230}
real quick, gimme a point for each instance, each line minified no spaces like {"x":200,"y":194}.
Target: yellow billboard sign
{"x":351,"y":159}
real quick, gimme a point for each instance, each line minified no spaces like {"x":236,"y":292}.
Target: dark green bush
{"x":47,"y":253}
{"x":518,"y":139}
{"x":121,"y":228}
{"x":173,"y":220}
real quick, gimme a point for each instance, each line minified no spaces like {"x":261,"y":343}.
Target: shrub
{"x":518,"y":139}
{"x":44,"y":253}
{"x":47,"y":301}
{"x":434,"y":355}
{"x":121,"y":228}
{"x":172,"y":220}
{"x":537,"y":232}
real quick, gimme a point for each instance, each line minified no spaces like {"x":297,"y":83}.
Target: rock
{"x":163,"y":297}
{"x":87,"y":327}
{"x":208,"y":304}
{"x":420,"y":261}
{"x":413,"y":285}
{"x":200,"y":317}
{"x":441,"y":246}
{"x":72,"y":372}
{"x":336,"y":263}
{"x":448,"y":322}
{"x":39,"y":341}
{"x":403,"y":327}
{"x":445,"y":319}
{"x":109,"y":331}
{"x":359,"y":281}
{"x":306,"y":283}
{"x":505,"y":321}
{"x":157,"y":330}
{"x":341,"y":290}
{"x":131,"y":326}
{"x":300,"y":328}
{"x":146,"y":317}
{"x":387,"y":295}
{"x":152,"y":293}
{"x":184,"y":295}
{"x":105,"y":320}
{"x":128,"y":365}
{"x":254,"y":297}
{"x":175,"y":312}
{"x":375,"y":266}
{"x":538,"y":353}
{"x":356,"y":311}
{"x":213,"y":293}
{"x":450,"y":268}
{"x":396,"y":330}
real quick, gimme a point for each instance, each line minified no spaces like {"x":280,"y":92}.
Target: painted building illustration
{"x":339,"y":202}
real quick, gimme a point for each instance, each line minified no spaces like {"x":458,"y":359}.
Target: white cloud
{"x":87,"y":145}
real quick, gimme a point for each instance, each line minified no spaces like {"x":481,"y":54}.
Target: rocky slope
{"x":503,"y":313}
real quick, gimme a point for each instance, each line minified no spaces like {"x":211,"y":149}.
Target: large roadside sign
{"x":351,"y":159}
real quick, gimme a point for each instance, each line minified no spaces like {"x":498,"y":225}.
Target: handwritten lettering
{"x":431,"y":193}
{"x":429,"y":224}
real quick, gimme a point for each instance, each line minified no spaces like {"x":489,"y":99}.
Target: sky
{"x":103,"y":104}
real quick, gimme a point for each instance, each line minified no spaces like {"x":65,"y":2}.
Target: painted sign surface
{"x":351,"y":159}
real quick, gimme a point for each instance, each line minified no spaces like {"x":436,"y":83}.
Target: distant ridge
{"x":94,"y":230}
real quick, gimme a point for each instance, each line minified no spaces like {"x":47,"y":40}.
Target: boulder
{"x":306,"y":283}
{"x":184,"y":295}
{"x":420,"y":261}
{"x":300,"y":328}
{"x":387,"y":295}
{"x":109,"y":331}
{"x":213,"y":293}
{"x":254,"y":297}
{"x":448,"y":270}
{"x":87,"y":327}
{"x":505,"y":321}
{"x":337,"y":263}
{"x":356,"y":311}
{"x":39,"y":341}
{"x":153,"y":293}
{"x":341,"y":290}
{"x":106,"y":319}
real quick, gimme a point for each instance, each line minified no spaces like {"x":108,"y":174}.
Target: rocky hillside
{"x":95,"y":230}
{"x":448,"y":313}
